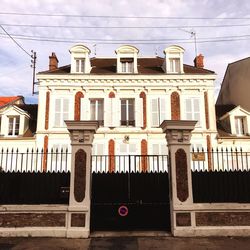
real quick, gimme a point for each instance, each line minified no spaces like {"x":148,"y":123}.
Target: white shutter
{"x":85,"y":109}
{"x":65,"y":110}
{"x":116,"y":112}
{"x":108,"y":112}
{"x":154,"y":113}
{"x":196,"y":110}
{"x":57,"y":117}
{"x":188,"y":107}
{"x":139,"y":112}
{"x":163,"y":109}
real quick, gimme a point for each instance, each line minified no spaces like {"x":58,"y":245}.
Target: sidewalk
{"x":126,"y":243}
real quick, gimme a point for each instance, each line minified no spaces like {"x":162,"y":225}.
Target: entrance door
{"x":131,"y":200}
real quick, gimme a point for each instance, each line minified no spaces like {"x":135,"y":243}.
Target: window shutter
{"x":163,"y":109}
{"x":85,"y":109}
{"x":116,"y":112}
{"x":108,"y":112}
{"x":188,"y":106}
{"x":57,"y":117}
{"x":65,"y":110}
{"x":154,"y":113}
{"x":139,"y":112}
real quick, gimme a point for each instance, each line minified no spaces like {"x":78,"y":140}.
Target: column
{"x":178,"y":135}
{"x":82,"y":135}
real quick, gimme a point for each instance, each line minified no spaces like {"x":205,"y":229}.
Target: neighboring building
{"x":129,"y":95}
{"x":233,"y":106}
{"x":17,"y":123}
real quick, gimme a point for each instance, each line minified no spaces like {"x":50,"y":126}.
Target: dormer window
{"x":127,"y":59}
{"x":14,"y":123}
{"x":80,"y":63}
{"x":240,"y":125}
{"x":127,"y":65}
{"x":173,"y":63}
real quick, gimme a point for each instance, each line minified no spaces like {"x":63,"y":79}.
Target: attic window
{"x":127,"y":65}
{"x":174,"y":65}
{"x":80,"y":65}
{"x":240,"y":125}
{"x":14,"y":123}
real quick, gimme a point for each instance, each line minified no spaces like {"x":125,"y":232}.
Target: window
{"x":174,"y":65}
{"x":127,"y":112}
{"x":193,"y":110}
{"x":61,"y":112}
{"x":96,"y":110}
{"x":158,"y":111}
{"x":14,"y":123}
{"x":239,"y":125}
{"x":127,"y":65}
{"x":80,"y":65}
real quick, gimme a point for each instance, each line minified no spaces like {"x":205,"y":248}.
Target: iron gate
{"x":131,"y":197}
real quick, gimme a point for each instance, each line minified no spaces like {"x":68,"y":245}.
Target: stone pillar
{"x":178,"y":135}
{"x":82,"y":135}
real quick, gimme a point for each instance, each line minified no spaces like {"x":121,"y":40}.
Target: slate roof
{"x":145,"y":66}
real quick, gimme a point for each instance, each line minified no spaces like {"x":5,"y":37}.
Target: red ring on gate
{"x":123,"y":211}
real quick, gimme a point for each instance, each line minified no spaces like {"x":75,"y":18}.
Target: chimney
{"x":198,"y":61}
{"x":53,"y":62}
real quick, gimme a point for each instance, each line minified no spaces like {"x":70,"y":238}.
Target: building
{"x":233,"y":106}
{"x":129,"y":95}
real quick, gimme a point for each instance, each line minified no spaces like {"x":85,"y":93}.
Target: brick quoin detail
{"x":111,"y":155}
{"x":209,"y":152}
{"x":78,"y":97}
{"x":111,"y":95}
{"x":144,"y":151}
{"x":206,"y":110}
{"x":175,"y":106}
{"x":45,"y":150}
{"x":181,"y":175}
{"x":144,"y":104}
{"x":47,"y":110}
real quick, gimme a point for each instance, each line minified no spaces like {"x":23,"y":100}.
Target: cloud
{"x":15,"y":71}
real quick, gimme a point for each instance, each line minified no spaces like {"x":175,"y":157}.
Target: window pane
{"x":92,"y":110}
{"x":177,"y":65}
{"x":154,"y":112}
{"x":17,"y":119}
{"x":131,"y":110}
{"x":100,"y":110}
{"x":11,"y":120}
{"x":123,"y":110}
{"x":77,"y":65}
{"x":188,"y":105}
{"x":82,"y":65}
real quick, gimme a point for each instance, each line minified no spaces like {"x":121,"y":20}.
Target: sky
{"x":222,"y":30}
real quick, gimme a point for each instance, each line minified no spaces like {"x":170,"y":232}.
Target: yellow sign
{"x":198,"y":156}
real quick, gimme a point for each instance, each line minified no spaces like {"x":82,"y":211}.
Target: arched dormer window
{"x":174,"y":60}
{"x":127,"y":59}
{"x":80,"y":62}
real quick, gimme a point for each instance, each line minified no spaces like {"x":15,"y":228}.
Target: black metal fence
{"x":34,"y":188}
{"x":129,"y":163}
{"x":220,"y":159}
{"x":35,"y":160}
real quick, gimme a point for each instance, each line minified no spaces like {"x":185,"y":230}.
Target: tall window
{"x":158,"y":111}
{"x":239,"y":125}
{"x":80,"y":65}
{"x":14,"y":123}
{"x":127,"y":112}
{"x":127,"y":65}
{"x":96,"y":110}
{"x":61,"y":112}
{"x":174,"y":65}
{"x":193,"y":110}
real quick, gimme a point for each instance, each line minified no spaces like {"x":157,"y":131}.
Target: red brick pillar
{"x":144,"y":154}
{"x":47,"y":110}
{"x":144,"y":104}
{"x":45,"y":152}
{"x":206,"y":110}
{"x":209,"y":153}
{"x":175,"y":106}
{"x":111,"y":155}
{"x":78,"y":97}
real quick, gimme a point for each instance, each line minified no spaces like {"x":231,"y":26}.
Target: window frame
{"x":61,"y":113}
{"x":128,"y":112}
{"x":127,"y":65}
{"x":97,"y":102}
{"x":240,"y":127}
{"x":80,"y":65}
{"x":193,"y":112}
{"x":14,"y":124}
{"x":174,"y":67}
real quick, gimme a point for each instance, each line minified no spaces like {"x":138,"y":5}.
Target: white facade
{"x":127,"y":103}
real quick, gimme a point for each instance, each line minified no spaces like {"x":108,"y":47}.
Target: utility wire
{"x":20,"y":46}
{"x":124,"y":17}
{"x":126,"y":27}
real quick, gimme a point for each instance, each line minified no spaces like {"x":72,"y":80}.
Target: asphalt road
{"x":126,"y":243}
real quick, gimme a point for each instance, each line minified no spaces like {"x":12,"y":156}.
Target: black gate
{"x":135,"y":198}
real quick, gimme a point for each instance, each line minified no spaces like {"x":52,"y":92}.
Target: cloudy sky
{"x":222,"y":31}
